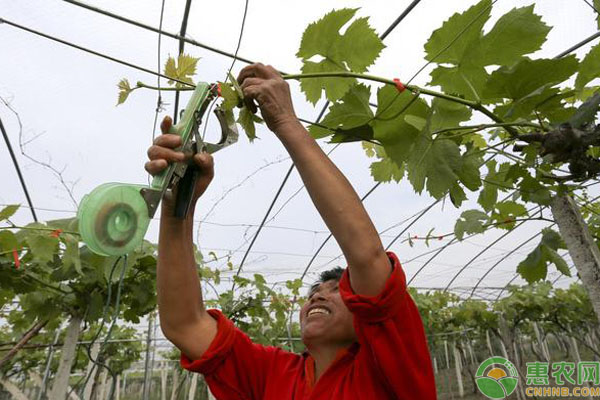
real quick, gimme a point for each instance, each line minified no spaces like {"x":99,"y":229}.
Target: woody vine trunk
{"x":582,"y":248}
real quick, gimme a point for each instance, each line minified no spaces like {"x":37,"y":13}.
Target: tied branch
{"x":567,"y":144}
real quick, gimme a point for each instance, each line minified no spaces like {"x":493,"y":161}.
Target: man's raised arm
{"x":330,"y":191}
{"x":183,"y":318}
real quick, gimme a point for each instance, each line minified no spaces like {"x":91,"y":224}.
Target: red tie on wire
{"x":56,"y":233}
{"x":399,"y":85}
{"x":16,"y":258}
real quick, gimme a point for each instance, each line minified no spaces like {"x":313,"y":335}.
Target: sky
{"x":66,"y":99}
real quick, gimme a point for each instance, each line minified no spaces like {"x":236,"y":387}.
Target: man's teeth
{"x":318,"y":311}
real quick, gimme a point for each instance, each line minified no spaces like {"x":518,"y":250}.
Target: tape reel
{"x":113,"y":218}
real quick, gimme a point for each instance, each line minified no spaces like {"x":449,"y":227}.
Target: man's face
{"x":325,"y":319}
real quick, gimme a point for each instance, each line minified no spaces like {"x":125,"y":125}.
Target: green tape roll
{"x":113,"y":218}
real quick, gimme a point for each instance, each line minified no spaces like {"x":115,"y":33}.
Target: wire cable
{"x":579,"y":45}
{"x":152,"y":29}
{"x":18,"y":169}
{"x":90,"y":51}
{"x":158,"y":66}
{"x":508,"y":254}
{"x":184,"y":22}
{"x":97,"y":335}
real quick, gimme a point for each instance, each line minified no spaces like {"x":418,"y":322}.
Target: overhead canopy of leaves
{"x":461,"y":42}
{"x":355,"y":51}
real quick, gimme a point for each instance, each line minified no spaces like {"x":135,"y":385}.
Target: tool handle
{"x":185,"y":191}
{"x":183,"y":128}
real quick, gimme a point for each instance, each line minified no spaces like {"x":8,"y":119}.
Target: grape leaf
{"x":457,"y":195}
{"x":597,"y":8}
{"x":355,"y":51}
{"x":355,"y":134}
{"x":182,"y":70}
{"x":469,"y":170}
{"x":527,"y":76}
{"x":318,"y":37}
{"x":552,"y":239}
{"x":230,"y":96}
{"x":66,"y":224}
{"x":494,"y":181}
{"x":434,"y":164}
{"x":589,"y":68}
{"x":71,"y":253}
{"x":449,"y":43}
{"x":353,"y":110}
{"x":124,"y":90}
{"x":533,"y":191}
{"x":386,"y":170}
{"x":523,"y":107}
{"x":360,"y":46}
{"x":448,"y":114}
{"x":247,"y":119}
{"x":558,"y":261}
{"x":42,"y":245}
{"x":506,"y":213}
{"x":390,"y":127}
{"x":534,"y":268}
{"x":466,"y":80}
{"x":470,"y":221}
{"x":334,"y":88}
{"x":8,"y":241}
{"x":516,"y":33}
{"x":535,"y":265}
{"x":586,"y":113}
{"x":8,"y":211}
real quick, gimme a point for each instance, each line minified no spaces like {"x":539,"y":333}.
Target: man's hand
{"x":265,"y":85}
{"x":163,"y":152}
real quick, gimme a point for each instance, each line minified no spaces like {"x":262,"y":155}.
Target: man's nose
{"x":318,"y":297}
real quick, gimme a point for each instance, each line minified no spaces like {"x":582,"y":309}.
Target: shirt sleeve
{"x":391,"y":335}
{"x":234,"y":367}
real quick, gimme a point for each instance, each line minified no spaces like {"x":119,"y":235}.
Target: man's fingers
{"x":251,"y":81}
{"x":155,"y":166}
{"x":246,"y":72}
{"x":251,"y":93}
{"x":205,"y":162}
{"x":168,"y":140}
{"x":163,"y":153}
{"x":257,"y":70}
{"x":166,"y":124}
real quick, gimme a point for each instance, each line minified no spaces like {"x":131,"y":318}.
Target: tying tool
{"x":114,"y":217}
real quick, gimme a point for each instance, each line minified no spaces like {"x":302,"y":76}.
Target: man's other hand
{"x":263,"y":84}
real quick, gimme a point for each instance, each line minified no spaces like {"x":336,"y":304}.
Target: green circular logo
{"x":497,"y":378}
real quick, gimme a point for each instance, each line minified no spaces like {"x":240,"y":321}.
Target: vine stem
{"x":27,"y":228}
{"x":480,"y":127}
{"x":412,"y":88}
{"x":168,"y":89}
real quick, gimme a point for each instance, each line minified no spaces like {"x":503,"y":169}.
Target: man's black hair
{"x":334,"y":274}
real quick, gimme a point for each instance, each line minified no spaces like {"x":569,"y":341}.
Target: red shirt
{"x":390,"y":360}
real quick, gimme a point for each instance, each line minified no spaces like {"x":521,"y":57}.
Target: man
{"x":362,"y":331}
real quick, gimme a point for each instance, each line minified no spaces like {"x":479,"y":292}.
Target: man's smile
{"x":318,"y":310}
